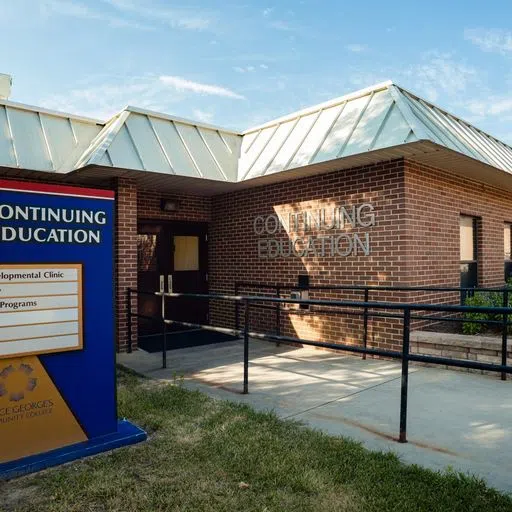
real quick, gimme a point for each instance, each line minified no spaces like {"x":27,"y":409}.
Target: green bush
{"x":485,"y":299}
{"x":478,"y":299}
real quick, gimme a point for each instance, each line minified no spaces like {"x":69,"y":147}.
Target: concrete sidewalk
{"x":457,"y":420}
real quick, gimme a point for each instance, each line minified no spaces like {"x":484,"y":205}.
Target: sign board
{"x":57,"y":357}
{"x":40,"y":309}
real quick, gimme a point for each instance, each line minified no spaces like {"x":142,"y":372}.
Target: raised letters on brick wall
{"x":315,"y":232}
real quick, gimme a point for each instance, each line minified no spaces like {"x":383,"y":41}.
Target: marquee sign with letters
{"x":40,"y":309}
{"x":57,"y":360}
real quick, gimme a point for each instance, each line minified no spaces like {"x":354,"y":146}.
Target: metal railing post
{"x":164,"y":334}
{"x":278,"y":312}
{"x":129,"y":314}
{"x":504,"y":335}
{"x":402,"y":438}
{"x":246,"y":348}
{"x":237,"y":309}
{"x":365,"y":320}
{"x":278,"y":315}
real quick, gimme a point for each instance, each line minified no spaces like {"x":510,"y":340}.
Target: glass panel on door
{"x":186,"y":253}
{"x":146,"y":252}
{"x":188,"y":274}
{"x":147,"y":278}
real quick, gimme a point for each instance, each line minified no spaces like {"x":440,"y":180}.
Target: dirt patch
{"x":14,"y":495}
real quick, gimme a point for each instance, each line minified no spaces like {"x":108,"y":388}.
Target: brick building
{"x":378,"y":187}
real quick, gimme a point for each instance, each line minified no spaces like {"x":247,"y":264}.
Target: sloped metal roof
{"x":458,"y":135}
{"x":382,"y":116}
{"x":381,"y":121}
{"x":43,"y":140}
{"x":357,"y":123}
{"x":149,"y":141}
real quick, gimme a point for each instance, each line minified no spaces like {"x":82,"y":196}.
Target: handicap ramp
{"x":455,"y":419}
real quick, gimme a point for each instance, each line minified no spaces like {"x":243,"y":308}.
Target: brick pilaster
{"x":126,"y":258}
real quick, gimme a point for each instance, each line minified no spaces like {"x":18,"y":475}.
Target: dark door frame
{"x":184,"y":228}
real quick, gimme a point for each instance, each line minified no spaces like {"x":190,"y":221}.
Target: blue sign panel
{"x":57,"y":357}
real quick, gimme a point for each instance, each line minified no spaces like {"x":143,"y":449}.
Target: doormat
{"x":183,"y":340}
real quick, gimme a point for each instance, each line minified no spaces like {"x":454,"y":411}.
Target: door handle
{"x":162,"y":283}
{"x":169,"y":283}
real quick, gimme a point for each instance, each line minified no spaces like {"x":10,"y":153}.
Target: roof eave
{"x":423,"y":151}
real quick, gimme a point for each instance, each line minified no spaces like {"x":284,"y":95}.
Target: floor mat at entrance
{"x":183,"y":340}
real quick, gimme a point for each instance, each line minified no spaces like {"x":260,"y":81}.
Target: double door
{"x":174,"y":254}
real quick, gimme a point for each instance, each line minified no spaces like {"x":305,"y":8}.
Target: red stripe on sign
{"x":61,"y":190}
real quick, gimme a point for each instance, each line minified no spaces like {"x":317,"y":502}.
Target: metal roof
{"x":449,"y":131}
{"x":353,"y":124}
{"x":43,"y":140}
{"x":382,"y":116}
{"x":383,"y":120}
{"x":144,"y":140}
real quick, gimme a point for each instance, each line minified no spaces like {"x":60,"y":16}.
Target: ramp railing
{"x":431,"y":294}
{"x":403,"y":311}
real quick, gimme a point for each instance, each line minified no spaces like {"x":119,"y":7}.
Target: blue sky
{"x":237,"y":64}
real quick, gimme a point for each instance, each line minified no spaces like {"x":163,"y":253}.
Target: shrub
{"x":478,"y":299}
{"x":485,"y":299}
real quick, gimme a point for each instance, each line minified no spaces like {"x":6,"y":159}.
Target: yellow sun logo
{"x":15,"y":381}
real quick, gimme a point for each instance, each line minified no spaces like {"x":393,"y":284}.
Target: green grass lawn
{"x":207,"y":455}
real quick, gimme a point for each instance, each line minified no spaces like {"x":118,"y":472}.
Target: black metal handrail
{"x":362,"y":287}
{"x":462,"y":291}
{"x":367,"y":308}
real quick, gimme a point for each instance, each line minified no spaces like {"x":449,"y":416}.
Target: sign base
{"x":127,"y":433}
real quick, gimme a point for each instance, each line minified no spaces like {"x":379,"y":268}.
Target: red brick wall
{"x":414,"y":242}
{"x":191,"y":208}
{"x":434,"y":202}
{"x":234,"y":253}
{"x":126,"y":257}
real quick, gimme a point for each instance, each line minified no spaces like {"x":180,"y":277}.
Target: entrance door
{"x":178,"y":252}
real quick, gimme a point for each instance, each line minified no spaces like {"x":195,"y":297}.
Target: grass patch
{"x":208,"y":455}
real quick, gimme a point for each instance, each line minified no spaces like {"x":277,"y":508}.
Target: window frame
{"x":469,"y":268}
{"x":507,"y":262}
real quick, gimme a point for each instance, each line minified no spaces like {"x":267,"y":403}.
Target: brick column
{"x":126,"y":258}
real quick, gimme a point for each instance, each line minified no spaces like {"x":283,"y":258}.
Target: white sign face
{"x":40,"y":309}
